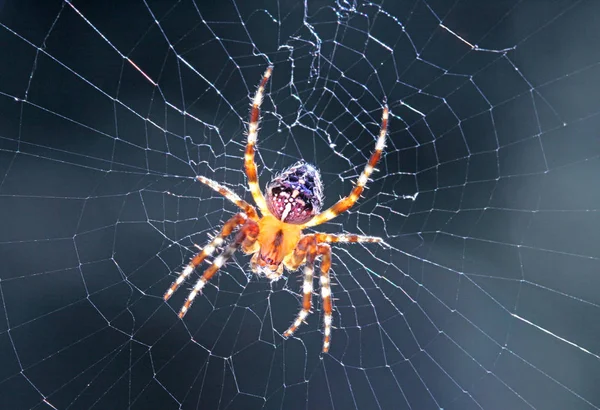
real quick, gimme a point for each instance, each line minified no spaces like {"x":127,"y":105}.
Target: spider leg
{"x":245,"y":237}
{"x":346,"y":203}
{"x":217,"y":241}
{"x":307,"y":246}
{"x":345,"y":238}
{"x":325,"y":251}
{"x":293,"y":261}
{"x":232,"y":196}
{"x":249,"y":163}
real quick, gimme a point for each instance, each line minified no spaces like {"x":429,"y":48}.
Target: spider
{"x":293,"y":202}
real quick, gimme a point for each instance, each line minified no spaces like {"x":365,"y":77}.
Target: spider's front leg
{"x":309,"y":248}
{"x":306,"y":248}
{"x":246,"y":237}
{"x":228,"y":227}
{"x":325,"y":250}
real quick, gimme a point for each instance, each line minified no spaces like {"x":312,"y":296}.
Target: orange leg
{"x":325,"y":251}
{"x":245,"y":237}
{"x":232,"y":196}
{"x":346,"y":203}
{"x":345,"y":238}
{"x":249,"y":163}
{"x":299,"y":255}
{"x":306,"y":247}
{"x":309,"y":249}
{"x":218,"y":240}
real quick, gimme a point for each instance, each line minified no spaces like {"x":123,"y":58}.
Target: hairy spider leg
{"x":345,"y":238}
{"x":217,"y":241}
{"x":245,"y":238}
{"x":325,"y":250}
{"x":249,"y":163}
{"x":307,"y":247}
{"x":346,"y":203}
{"x":232,"y":196}
{"x":298,"y":256}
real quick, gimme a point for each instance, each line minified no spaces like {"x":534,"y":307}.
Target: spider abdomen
{"x":296,"y":194}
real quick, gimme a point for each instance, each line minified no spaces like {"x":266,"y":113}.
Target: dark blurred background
{"x":487,"y":296}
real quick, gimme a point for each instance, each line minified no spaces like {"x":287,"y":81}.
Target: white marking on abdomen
{"x":286,"y":211}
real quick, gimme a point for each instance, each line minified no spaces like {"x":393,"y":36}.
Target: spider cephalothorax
{"x":293,"y":202}
{"x":296,"y":194}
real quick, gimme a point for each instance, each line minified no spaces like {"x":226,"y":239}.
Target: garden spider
{"x":293,"y":201}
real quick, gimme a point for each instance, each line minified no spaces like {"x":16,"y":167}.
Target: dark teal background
{"x":488,"y":298}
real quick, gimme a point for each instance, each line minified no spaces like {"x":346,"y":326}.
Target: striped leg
{"x":307,"y":288}
{"x":325,"y":251}
{"x":297,"y":257}
{"x":345,"y":238}
{"x":249,"y":163}
{"x":232,"y":196}
{"x":346,"y":203}
{"x":229,"y":226}
{"x":246,"y":237}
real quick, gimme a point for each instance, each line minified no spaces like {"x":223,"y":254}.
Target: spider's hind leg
{"x":347,"y":202}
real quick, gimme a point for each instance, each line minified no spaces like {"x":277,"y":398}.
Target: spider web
{"x":487,"y":296}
